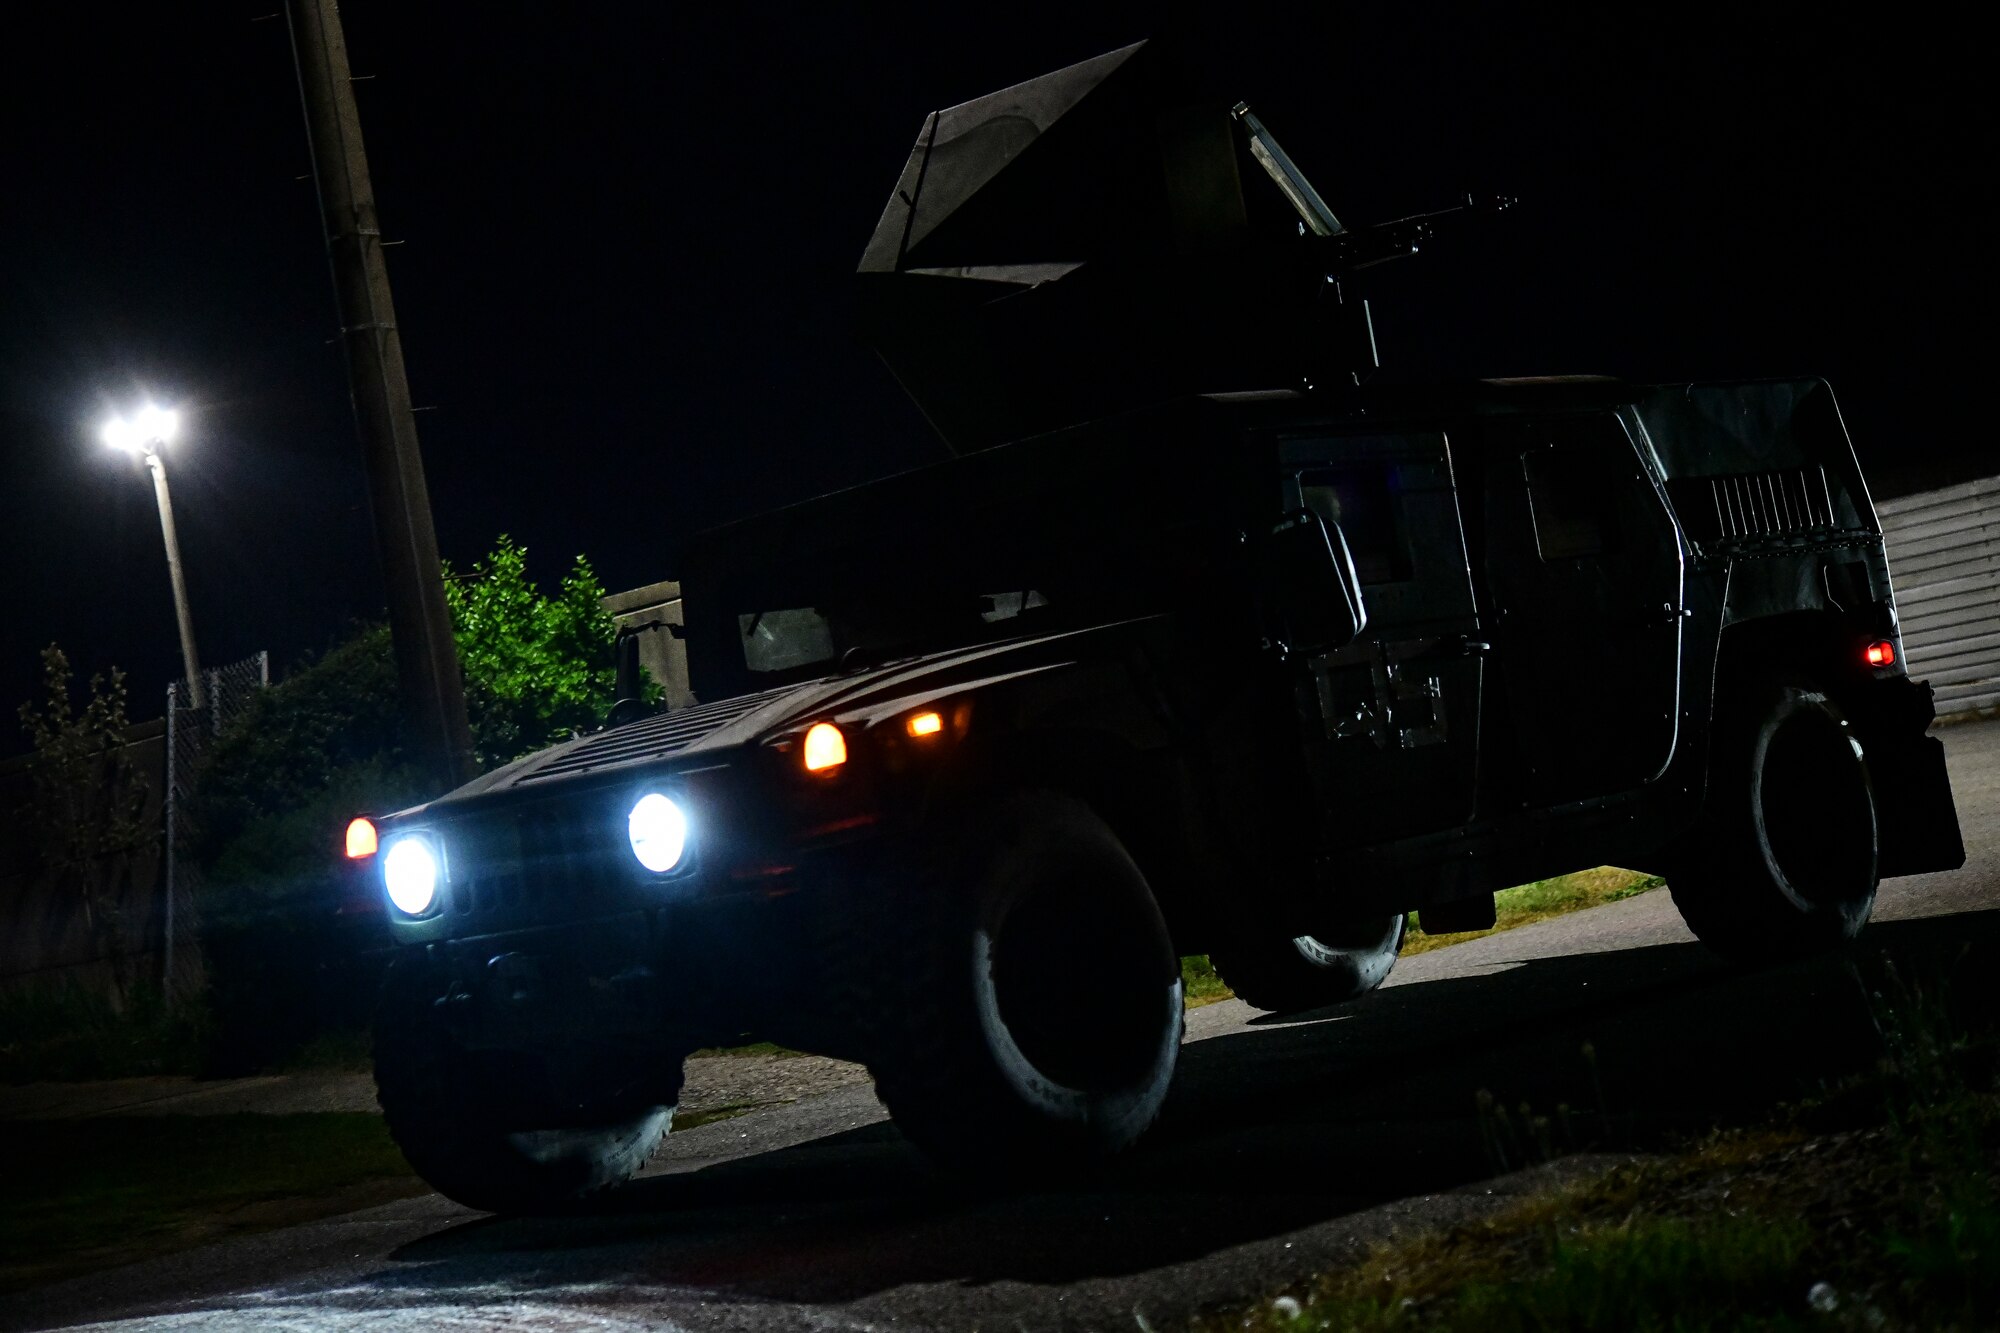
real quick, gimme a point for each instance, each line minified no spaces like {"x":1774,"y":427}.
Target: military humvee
{"x":1238,"y":648}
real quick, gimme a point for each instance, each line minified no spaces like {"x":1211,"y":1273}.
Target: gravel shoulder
{"x":714,"y":1082}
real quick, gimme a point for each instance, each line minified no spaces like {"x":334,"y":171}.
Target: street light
{"x":143,"y":437}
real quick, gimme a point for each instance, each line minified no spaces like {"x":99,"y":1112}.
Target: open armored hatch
{"x":1102,"y":237}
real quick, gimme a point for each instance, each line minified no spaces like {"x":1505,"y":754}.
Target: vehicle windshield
{"x":1043,"y":536}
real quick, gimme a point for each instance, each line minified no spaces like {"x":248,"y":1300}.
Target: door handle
{"x":1470,"y":647}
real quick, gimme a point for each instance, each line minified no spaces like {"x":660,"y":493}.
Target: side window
{"x":1361,"y":501}
{"x":1568,"y":502}
{"x":1397,"y":504}
{"x":1577,"y":475}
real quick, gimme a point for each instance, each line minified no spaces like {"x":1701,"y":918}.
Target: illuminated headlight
{"x":659,"y":832}
{"x":410,"y":874}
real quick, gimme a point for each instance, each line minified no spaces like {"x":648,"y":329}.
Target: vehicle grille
{"x":655,"y":737}
{"x":532,"y":857}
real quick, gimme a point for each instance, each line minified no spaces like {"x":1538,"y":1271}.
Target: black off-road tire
{"x":1784,"y":860}
{"x":458,"y":1148}
{"x":1290,"y":976}
{"x":1020,"y":1006}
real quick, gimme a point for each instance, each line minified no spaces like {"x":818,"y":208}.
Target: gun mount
{"x":1102,"y":237}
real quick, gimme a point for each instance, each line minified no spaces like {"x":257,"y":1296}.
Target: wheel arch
{"x":1820,"y":644}
{"x":1137,"y":790}
{"x":1890,"y":714}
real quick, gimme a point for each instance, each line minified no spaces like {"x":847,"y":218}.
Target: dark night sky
{"x":629,"y":229}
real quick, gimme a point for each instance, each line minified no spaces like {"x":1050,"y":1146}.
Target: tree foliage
{"x":537,"y":668}
{"x":89,"y":798}
{"x":320,"y":746}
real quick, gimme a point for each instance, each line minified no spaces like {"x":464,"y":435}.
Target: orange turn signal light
{"x":825,"y":748}
{"x":926,"y":724}
{"x":361,"y":839}
{"x":1880,"y":653}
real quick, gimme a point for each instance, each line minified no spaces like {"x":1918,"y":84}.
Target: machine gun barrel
{"x":1364,"y":247}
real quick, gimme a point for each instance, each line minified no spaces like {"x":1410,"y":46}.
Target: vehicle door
{"x":1391,"y":722}
{"x":1582,"y":562}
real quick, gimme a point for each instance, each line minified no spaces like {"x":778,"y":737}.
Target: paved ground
{"x":1287,"y":1146}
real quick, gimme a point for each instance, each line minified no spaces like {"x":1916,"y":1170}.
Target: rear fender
{"x":1890,"y":714}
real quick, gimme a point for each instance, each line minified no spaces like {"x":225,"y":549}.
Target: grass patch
{"x":1520,"y":906}
{"x":1873,"y":1208}
{"x":728,"y":1111}
{"x":1201,"y":984}
{"x":1529,"y":903}
{"x":344,"y":1051}
{"x":1645,"y":1275}
{"x":86,"y":1194}
{"x":72,"y":1034}
{"x":754,"y":1048}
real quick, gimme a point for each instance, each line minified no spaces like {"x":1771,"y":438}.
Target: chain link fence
{"x":229,"y":690}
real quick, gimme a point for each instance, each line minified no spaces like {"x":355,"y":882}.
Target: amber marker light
{"x":361,"y":839}
{"x":825,"y":748}
{"x":926,"y":724}
{"x":1880,"y":653}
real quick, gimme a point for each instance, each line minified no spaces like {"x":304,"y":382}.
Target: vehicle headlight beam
{"x":410,"y":874}
{"x":658,"y":829}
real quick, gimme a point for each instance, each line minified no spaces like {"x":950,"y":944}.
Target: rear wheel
{"x":1784,"y":860}
{"x":454,"y":1141}
{"x":1025,"y":1006}
{"x":1289,"y":976}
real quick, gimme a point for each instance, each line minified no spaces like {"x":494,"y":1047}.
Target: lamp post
{"x":144,"y":436}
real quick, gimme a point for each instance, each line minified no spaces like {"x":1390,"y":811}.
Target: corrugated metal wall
{"x":1944,"y":556}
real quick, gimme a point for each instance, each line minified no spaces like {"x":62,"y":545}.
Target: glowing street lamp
{"x":143,"y":437}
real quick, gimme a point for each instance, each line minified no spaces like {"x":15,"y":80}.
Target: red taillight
{"x":1880,"y":653}
{"x":361,"y":839}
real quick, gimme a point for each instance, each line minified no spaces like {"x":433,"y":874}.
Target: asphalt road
{"x":1288,"y":1146}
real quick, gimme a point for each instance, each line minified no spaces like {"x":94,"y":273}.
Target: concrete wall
{"x":655,"y":607}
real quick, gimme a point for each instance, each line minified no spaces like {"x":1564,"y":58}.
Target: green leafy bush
{"x":73,"y":1033}
{"x":311,"y":751}
{"x":537,"y":669}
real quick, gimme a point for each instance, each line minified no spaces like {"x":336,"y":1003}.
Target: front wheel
{"x":1025,"y":997}
{"x":1784,"y":860}
{"x":1289,"y":976}
{"x":452,"y":1139}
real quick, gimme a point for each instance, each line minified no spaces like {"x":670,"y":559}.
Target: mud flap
{"x":1914,"y":808}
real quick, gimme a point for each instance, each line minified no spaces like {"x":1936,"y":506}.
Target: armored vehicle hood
{"x":860,"y":698}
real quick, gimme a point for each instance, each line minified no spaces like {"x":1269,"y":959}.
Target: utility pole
{"x":419,"y":621}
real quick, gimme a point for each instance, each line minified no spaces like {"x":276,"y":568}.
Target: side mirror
{"x":1312,"y":585}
